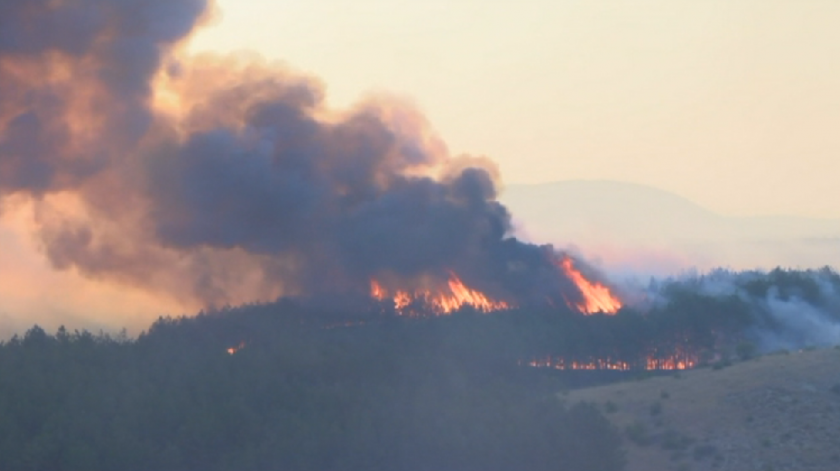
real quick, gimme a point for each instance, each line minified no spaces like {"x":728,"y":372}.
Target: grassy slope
{"x":776,"y":412}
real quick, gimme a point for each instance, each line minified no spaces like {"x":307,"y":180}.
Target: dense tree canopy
{"x":335,"y":385}
{"x":301,"y":398}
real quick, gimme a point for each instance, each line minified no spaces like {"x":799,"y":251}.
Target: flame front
{"x":596,"y":297}
{"x":450,"y":299}
{"x":596,"y":364}
{"x":680,"y":361}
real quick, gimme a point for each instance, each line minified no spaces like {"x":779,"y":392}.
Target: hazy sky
{"x":733,"y":104}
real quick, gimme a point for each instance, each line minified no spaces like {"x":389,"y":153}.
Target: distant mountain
{"x":618,"y":221}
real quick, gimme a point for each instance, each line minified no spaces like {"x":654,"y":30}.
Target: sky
{"x":32,"y":291}
{"x":733,"y":105}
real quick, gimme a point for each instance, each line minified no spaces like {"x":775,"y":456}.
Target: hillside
{"x":779,"y":412}
{"x":644,"y":229}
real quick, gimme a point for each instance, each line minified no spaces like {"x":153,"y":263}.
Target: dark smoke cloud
{"x":237,"y":183}
{"x":66,"y":65}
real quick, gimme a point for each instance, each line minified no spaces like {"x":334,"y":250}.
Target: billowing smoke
{"x":76,"y":81}
{"x":786,"y":309}
{"x":228,"y":179}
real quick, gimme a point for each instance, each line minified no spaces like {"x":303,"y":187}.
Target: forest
{"x":305,"y":385}
{"x":310,"y":399}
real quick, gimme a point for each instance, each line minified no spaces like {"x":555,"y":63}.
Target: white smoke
{"x":791,"y":309}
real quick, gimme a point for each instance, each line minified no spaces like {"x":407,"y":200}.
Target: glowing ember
{"x":596,"y":297}
{"x":233,"y":350}
{"x":376,"y":290}
{"x":452,"y":298}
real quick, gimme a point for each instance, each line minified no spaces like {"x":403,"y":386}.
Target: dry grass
{"x":774,"y":413}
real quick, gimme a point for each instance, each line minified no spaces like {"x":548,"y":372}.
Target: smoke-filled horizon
{"x":226,"y":180}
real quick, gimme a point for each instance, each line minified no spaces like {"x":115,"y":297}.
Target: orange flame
{"x":597,"y":364}
{"x":452,"y":298}
{"x":674,"y":362}
{"x":596,"y":297}
{"x":376,"y":290}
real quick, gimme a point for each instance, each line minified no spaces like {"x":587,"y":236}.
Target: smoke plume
{"x":226,"y":179}
{"x":788,"y":309}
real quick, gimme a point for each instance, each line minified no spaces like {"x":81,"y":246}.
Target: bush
{"x":677,"y":456}
{"x":702,"y":452}
{"x":721,"y":365}
{"x":637,"y":433}
{"x":675,"y":441}
{"x":656,"y":408}
{"x":746,"y":350}
{"x":643,"y":375}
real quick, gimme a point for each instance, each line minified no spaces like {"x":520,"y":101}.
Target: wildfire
{"x":452,"y":298}
{"x":596,"y":297}
{"x":674,"y":362}
{"x":598,"y":364}
{"x":233,"y":350}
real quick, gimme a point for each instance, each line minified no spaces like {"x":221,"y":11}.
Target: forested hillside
{"x":310,"y":399}
{"x":338,"y":384}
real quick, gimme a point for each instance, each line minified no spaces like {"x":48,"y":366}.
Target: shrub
{"x":721,"y":364}
{"x":643,"y":375}
{"x":656,"y":408}
{"x":746,"y":350}
{"x":677,"y":456}
{"x":637,"y":433}
{"x":702,"y":452}
{"x":675,"y":441}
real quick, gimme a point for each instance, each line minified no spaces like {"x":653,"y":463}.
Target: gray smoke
{"x":229,"y":180}
{"x":74,"y":72}
{"x":790,"y":309}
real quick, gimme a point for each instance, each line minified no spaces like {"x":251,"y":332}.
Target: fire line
{"x":449,"y":299}
{"x":596,"y":297}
